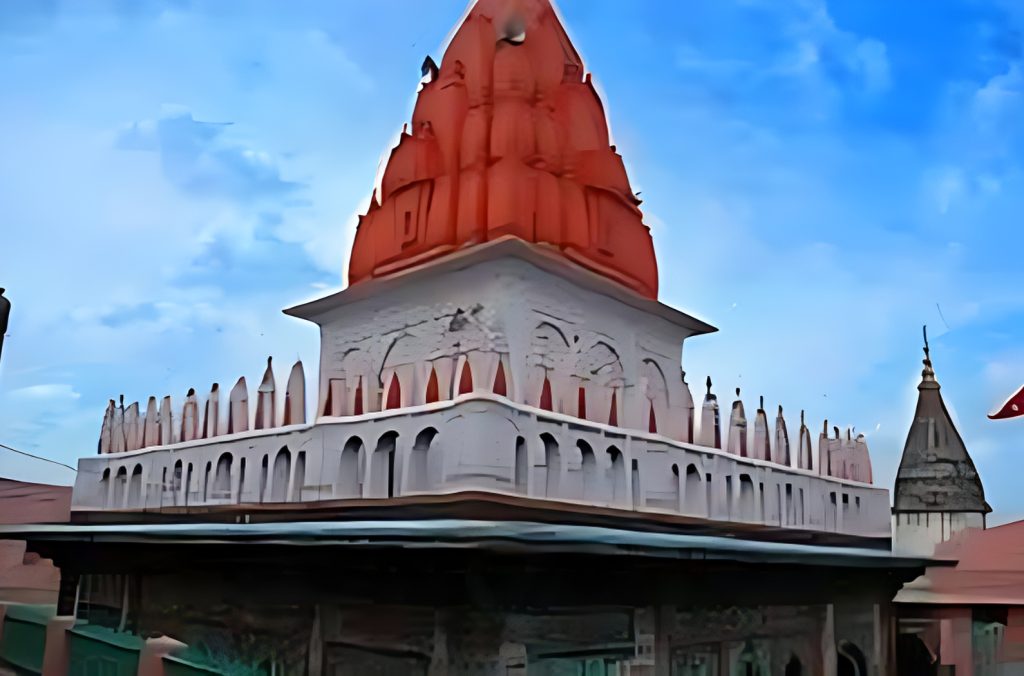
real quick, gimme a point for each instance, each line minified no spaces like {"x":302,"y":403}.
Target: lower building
{"x":445,"y":594}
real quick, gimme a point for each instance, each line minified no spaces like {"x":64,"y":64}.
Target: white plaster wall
{"x":471,"y":444}
{"x":919,"y":532}
{"x":537,"y":324}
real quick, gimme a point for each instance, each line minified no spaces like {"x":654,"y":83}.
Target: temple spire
{"x":936,"y":472}
{"x":508,"y":140}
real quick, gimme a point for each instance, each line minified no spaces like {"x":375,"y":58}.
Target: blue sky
{"x":821,"y":179}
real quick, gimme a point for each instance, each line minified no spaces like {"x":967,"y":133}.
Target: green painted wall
{"x":24,"y":636}
{"x":98,"y":651}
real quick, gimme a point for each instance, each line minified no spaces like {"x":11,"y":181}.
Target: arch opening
{"x":553,"y":466}
{"x":120,"y":487}
{"x":383,"y":471}
{"x":850,"y":660}
{"x":747,"y":505}
{"x":617,"y":469}
{"x":280,"y":477}
{"x":222,"y":478}
{"x":135,"y":487}
{"x":425,"y":462}
{"x":350,"y":470}
{"x":520,"y":470}
{"x":299,"y":483}
{"x":695,"y":501}
{"x":591,"y":486}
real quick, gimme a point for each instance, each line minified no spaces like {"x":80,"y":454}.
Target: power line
{"x":37,"y":457}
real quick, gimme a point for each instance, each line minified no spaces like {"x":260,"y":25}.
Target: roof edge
{"x":505,"y":247}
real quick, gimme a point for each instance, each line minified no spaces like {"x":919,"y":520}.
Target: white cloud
{"x":49,"y":391}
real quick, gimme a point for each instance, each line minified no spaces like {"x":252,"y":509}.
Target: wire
{"x":37,"y":457}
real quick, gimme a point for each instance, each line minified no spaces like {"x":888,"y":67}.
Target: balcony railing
{"x":483,"y":443}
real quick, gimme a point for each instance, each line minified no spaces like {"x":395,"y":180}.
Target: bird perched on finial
{"x":429,"y":68}
{"x":737,"y":393}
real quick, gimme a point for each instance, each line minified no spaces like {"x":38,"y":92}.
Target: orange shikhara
{"x":508,"y":138}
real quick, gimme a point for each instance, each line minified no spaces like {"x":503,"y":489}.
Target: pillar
{"x":151,"y":657}
{"x":664,"y":623}
{"x":956,"y":642}
{"x":828,"y":642}
{"x":55,"y":654}
{"x":1012,"y":650}
{"x":439,"y":654}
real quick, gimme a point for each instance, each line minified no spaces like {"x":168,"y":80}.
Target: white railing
{"x":478,"y":442}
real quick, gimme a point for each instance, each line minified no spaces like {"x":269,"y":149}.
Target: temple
{"x":508,"y":139}
{"x":938,"y":490}
{"x":503,"y":469}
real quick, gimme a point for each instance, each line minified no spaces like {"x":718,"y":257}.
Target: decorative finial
{"x":761,"y":404}
{"x":802,"y":418}
{"x":780,"y":410}
{"x":709,"y":386}
{"x":737,"y":393}
{"x":835,"y":428}
{"x":928,"y":373}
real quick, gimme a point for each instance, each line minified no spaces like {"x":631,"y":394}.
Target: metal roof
{"x":511,"y":536}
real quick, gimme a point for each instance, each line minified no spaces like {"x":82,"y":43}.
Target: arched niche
{"x":222,"y":477}
{"x":695,"y":502}
{"x":592,"y":484}
{"x":521,"y":467}
{"x":105,"y":487}
{"x":135,"y":487}
{"x":850,"y":660}
{"x":281,"y":475}
{"x":654,"y":386}
{"x":351,"y":469}
{"x":207,"y":477}
{"x":425,"y":462}
{"x":383,"y":474}
{"x":120,"y":487}
{"x":553,"y":466}
{"x":176,"y":483}
{"x":617,"y":475}
{"x":264,"y":478}
{"x":747,"y":499}
{"x":299,"y":483}
{"x":549,"y":367}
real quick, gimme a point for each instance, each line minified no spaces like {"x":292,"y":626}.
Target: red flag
{"x":1013,"y":407}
